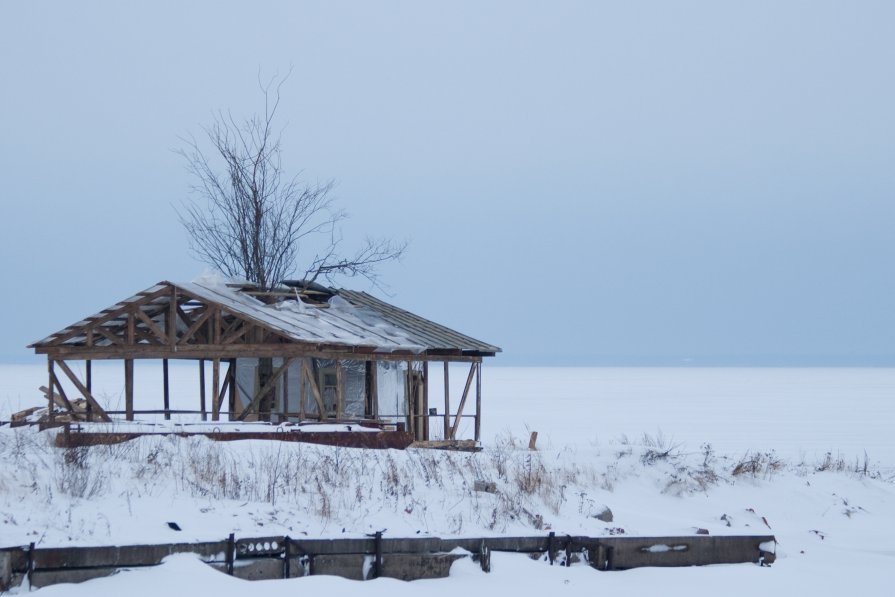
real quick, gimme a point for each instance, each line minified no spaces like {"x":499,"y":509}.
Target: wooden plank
{"x":194,"y":327}
{"x":262,"y":392}
{"x":462,"y":402}
{"x":51,"y":415}
{"x":63,"y":399}
{"x":425,"y":419}
{"x":84,"y":391}
{"x":478,"y":401}
{"x":315,"y":389}
{"x":447,"y":402}
{"x":202,"y":389}
{"x":106,"y":315}
{"x":108,"y":335}
{"x":149,"y":323}
{"x":171,"y":325}
{"x":340,"y":399}
{"x":129,"y":389}
{"x":166,"y":390}
{"x":284,"y":408}
{"x":215,"y":388}
{"x":195,"y":351}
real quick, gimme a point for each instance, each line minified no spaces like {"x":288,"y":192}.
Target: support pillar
{"x":202,"y":389}
{"x":166,"y":389}
{"x":129,"y":389}
{"x":447,"y":402}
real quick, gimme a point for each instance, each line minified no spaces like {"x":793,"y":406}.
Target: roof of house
{"x":320,"y":317}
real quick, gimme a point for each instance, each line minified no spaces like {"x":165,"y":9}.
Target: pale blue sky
{"x":581,"y":182}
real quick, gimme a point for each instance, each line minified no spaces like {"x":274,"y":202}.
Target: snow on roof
{"x":347,"y":318}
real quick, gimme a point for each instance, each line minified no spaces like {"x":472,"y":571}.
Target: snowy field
{"x":805,"y":454}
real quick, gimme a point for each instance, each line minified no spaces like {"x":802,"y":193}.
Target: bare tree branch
{"x":253,"y":219}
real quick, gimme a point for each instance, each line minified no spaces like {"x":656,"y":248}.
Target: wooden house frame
{"x":295,"y":328}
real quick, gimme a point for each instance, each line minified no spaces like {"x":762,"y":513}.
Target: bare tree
{"x":255,"y":219}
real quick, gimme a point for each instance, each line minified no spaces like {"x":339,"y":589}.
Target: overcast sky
{"x":581,"y":182}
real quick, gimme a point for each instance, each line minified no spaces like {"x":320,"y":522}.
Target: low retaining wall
{"x":360,"y":559}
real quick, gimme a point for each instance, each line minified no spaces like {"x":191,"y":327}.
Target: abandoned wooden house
{"x":299,"y":353}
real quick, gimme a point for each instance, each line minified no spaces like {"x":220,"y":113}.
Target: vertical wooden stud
{"x":166,"y":389}
{"x":51,"y":414}
{"x":478,"y":401}
{"x":202,"y":389}
{"x":447,"y":402}
{"x":340,"y":396}
{"x":215,"y":389}
{"x":425,"y":419}
{"x":129,"y":388}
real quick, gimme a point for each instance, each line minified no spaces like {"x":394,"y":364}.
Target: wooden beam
{"x":301,"y":392}
{"x":84,"y":391}
{"x":215,"y":386}
{"x":225,"y":388}
{"x":340,"y":398}
{"x":131,"y":326}
{"x":315,"y":389}
{"x":108,"y":335}
{"x":88,"y":369}
{"x":62,"y":396}
{"x":171,"y":326}
{"x":166,"y":391}
{"x":51,"y":415}
{"x":285,"y":406}
{"x":202,"y":389}
{"x":209,"y":351}
{"x":231,"y":372}
{"x":478,"y":401}
{"x":129,"y":389}
{"x":108,"y":315}
{"x":462,"y":402}
{"x":425,"y":419}
{"x":194,"y":327}
{"x":264,"y":391}
{"x":149,"y":323}
{"x":447,"y":402}
{"x":409,"y":402}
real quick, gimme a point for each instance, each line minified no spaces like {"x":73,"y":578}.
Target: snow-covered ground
{"x":806,"y":454}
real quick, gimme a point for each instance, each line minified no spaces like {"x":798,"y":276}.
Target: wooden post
{"x":425,"y":419}
{"x":447,"y":402}
{"x":301,"y":390}
{"x":166,"y":389}
{"x":88,"y":366}
{"x":340,"y":396}
{"x":215,"y":389}
{"x":87,"y":395}
{"x":285,"y":416}
{"x":410,"y":407}
{"x":374,"y":388}
{"x":478,"y":401}
{"x":129,"y":388}
{"x":202,"y":389}
{"x":51,"y":415}
{"x":462,"y":402}
{"x":231,"y":374}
